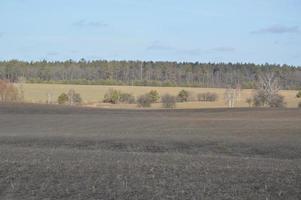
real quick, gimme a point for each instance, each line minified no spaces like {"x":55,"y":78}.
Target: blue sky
{"x":256,"y":31}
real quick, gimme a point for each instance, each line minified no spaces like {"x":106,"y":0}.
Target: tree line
{"x":139,"y":73}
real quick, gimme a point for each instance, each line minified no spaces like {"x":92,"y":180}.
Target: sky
{"x":257,"y":31}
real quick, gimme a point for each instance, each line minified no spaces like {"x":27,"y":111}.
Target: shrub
{"x":144,"y":101}
{"x":154,"y":96}
{"x":298,"y":94}
{"x":259,"y":99}
{"x":112,"y":96}
{"x":127,"y":98}
{"x":183,"y":96}
{"x":77,"y":98}
{"x":249,"y":101}
{"x":262,"y":99}
{"x":73,"y":97}
{"x":277,"y":101}
{"x":63,"y":98}
{"x":299,"y":105}
{"x":169,"y":101}
{"x":208,"y":96}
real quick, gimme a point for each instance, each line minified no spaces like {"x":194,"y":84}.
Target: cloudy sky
{"x":256,"y":31}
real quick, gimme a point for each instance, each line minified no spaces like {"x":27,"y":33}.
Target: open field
{"x":54,"y":152}
{"x":93,"y":94}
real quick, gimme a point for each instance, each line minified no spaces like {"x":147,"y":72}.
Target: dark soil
{"x":57,"y":152}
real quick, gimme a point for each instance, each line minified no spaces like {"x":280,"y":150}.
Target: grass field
{"x":93,"y":94}
{"x":54,"y":152}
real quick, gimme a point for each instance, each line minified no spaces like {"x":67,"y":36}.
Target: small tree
{"x":169,"y":101}
{"x":230,"y":97}
{"x":144,"y":101}
{"x":63,"y":98}
{"x":183,"y":96}
{"x":8,"y":92}
{"x":112,"y":96}
{"x":298,"y":94}
{"x":154,"y":96}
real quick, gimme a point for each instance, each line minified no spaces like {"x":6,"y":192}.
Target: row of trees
{"x":145,"y":100}
{"x":148,"y":73}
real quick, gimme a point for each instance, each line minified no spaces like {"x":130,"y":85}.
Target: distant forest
{"x":149,"y":73}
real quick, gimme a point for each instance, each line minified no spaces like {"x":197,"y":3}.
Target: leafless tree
{"x":269,"y":83}
{"x":267,"y":91}
{"x":230,"y":97}
{"x":8,"y":92}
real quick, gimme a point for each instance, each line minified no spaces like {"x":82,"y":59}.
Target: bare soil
{"x":57,"y":152}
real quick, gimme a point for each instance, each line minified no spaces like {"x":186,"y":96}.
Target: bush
{"x":249,"y":101}
{"x":299,"y":105}
{"x":154,"y":96}
{"x":277,"y":101}
{"x":74,"y":98}
{"x":298,"y":94}
{"x":77,"y":99}
{"x":63,"y":98}
{"x":127,"y":98}
{"x":208,"y":96}
{"x":144,"y":101}
{"x":112,"y":96}
{"x":169,"y":101}
{"x":183,"y":96}
{"x":261,"y":99}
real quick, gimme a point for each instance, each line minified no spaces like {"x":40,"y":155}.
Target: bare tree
{"x":8,"y":92}
{"x":267,"y":91}
{"x":230,"y":97}
{"x":268,"y":83}
{"x":71,"y":94}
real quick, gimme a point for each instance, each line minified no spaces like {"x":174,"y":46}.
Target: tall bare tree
{"x":269,"y":83}
{"x":230,"y":97}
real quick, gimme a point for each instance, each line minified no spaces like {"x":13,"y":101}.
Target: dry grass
{"x":93,"y":94}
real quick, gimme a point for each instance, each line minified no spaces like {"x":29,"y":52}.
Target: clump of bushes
{"x":115,"y":96}
{"x":183,"y":96}
{"x":147,"y":99}
{"x":63,"y":98}
{"x":144,"y":101}
{"x":208,"y":96}
{"x":74,"y":98}
{"x":154,"y":96}
{"x":262,"y":99}
{"x":71,"y":98}
{"x":249,"y":101}
{"x":127,"y":98}
{"x":298,"y":94}
{"x":112,"y":96}
{"x":168,"y":101}
{"x":276,"y":101}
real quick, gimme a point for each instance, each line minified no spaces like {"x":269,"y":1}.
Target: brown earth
{"x":57,"y":152}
